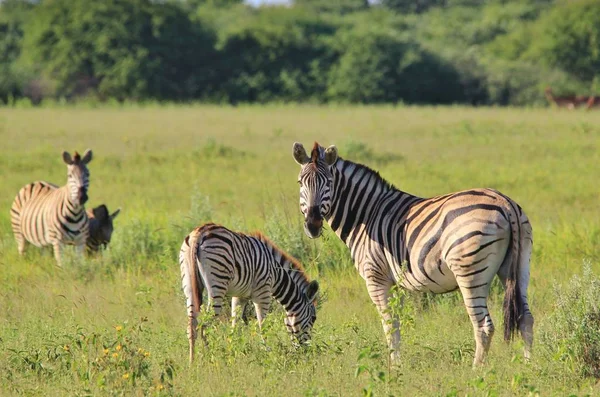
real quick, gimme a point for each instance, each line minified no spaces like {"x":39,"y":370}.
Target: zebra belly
{"x":435,"y":277}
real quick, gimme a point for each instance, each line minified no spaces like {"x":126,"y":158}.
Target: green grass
{"x":171,"y":168}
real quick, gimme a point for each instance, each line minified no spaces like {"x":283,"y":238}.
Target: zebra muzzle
{"x":83,"y":197}
{"x":313,"y":228}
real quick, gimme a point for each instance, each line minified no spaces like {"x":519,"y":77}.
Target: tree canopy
{"x":427,"y":51}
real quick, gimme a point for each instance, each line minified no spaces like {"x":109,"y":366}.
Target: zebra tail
{"x":192,"y":262}
{"x":513,"y":301}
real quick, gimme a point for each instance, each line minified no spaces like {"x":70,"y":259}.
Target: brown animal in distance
{"x":569,"y":101}
{"x":572,"y":101}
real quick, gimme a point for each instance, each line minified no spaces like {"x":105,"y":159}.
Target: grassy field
{"x":115,"y":324}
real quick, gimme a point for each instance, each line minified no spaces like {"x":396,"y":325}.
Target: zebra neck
{"x":73,"y":211}
{"x":286,"y":291}
{"x":358,"y":193}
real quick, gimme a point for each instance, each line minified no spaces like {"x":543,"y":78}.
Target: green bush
{"x":570,"y":38}
{"x":379,"y":64}
{"x":122,"y":49}
{"x":572,"y":334}
{"x":273,"y":55}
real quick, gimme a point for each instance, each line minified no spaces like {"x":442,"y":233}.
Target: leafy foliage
{"x":426,"y":51}
{"x":122,"y":49}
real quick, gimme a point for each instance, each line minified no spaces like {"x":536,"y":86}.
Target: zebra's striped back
{"x":100,"y":227}
{"x":247,"y":267}
{"x":455,"y":241}
{"x":44,"y":214}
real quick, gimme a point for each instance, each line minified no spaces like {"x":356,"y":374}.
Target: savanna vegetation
{"x":500,"y":52}
{"x":115,"y":324}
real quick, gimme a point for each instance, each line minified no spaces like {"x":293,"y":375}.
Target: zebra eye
{"x":299,"y":182}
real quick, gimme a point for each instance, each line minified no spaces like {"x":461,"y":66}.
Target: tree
{"x":379,"y":65}
{"x":570,"y":38}
{"x":117,"y":48}
{"x":334,"y":6}
{"x":411,"y":6}
{"x":12,"y":15}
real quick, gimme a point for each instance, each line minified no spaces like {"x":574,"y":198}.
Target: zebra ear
{"x":87,"y":156}
{"x":331,"y":155}
{"x":67,"y":158}
{"x":114,"y":214}
{"x":311,"y":291}
{"x":300,"y":154}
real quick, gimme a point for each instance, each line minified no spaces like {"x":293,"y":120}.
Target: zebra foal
{"x":100,"y":227}
{"x":455,"y":241}
{"x":246,"y":267}
{"x":44,"y":214}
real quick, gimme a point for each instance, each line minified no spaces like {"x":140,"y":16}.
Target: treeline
{"x":417,"y":51}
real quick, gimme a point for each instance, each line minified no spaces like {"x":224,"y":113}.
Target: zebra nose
{"x":314,"y":216}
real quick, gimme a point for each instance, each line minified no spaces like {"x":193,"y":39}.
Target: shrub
{"x":382,"y":64}
{"x":572,"y":334}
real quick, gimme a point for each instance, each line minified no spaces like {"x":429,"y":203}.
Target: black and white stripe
{"x":246,"y":267}
{"x":44,"y":214}
{"x":455,"y":241}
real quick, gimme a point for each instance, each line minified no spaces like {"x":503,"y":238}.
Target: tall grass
{"x":173,"y":168}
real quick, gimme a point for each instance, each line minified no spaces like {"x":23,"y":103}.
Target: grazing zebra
{"x":100,"y":227}
{"x":439,"y":244}
{"x":44,"y":214}
{"x":246,"y":267}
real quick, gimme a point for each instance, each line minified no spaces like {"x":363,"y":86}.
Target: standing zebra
{"x":247,"y":267}
{"x":439,"y":244}
{"x":100,"y":227}
{"x":45,"y":214}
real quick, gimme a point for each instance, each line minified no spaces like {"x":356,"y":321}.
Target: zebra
{"x":246,"y":267}
{"x":454,"y":241}
{"x":44,"y":214}
{"x":100,"y":227}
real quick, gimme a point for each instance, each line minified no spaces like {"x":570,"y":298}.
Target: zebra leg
{"x":483,"y":328}
{"x":192,"y":331}
{"x":526,"y":321}
{"x":380,"y":295}
{"x":262,"y":303}
{"x":80,"y":249}
{"x":57,"y":252}
{"x":237,"y":306}
{"x":20,"y":239}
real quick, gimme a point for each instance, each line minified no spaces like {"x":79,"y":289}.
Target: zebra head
{"x":316,"y":182}
{"x":78,"y":175}
{"x":299,"y":322}
{"x":102,"y":228}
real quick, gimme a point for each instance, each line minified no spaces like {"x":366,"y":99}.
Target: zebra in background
{"x":100,"y":227}
{"x":44,"y":214}
{"x":455,"y":241}
{"x":246,"y":267}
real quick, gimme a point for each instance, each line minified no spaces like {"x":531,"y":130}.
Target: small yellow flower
{"x":105,"y":352}
{"x":125,"y":376}
{"x":146,"y":354}
{"x":115,"y":355}
{"x":118,"y":328}
{"x":119,"y":347}
{"x":66,"y":348}
{"x":160,"y":386}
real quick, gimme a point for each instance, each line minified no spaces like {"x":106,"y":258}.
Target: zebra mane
{"x":76,"y":158}
{"x":372,"y":172}
{"x":315,"y":154}
{"x":296,"y":265}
